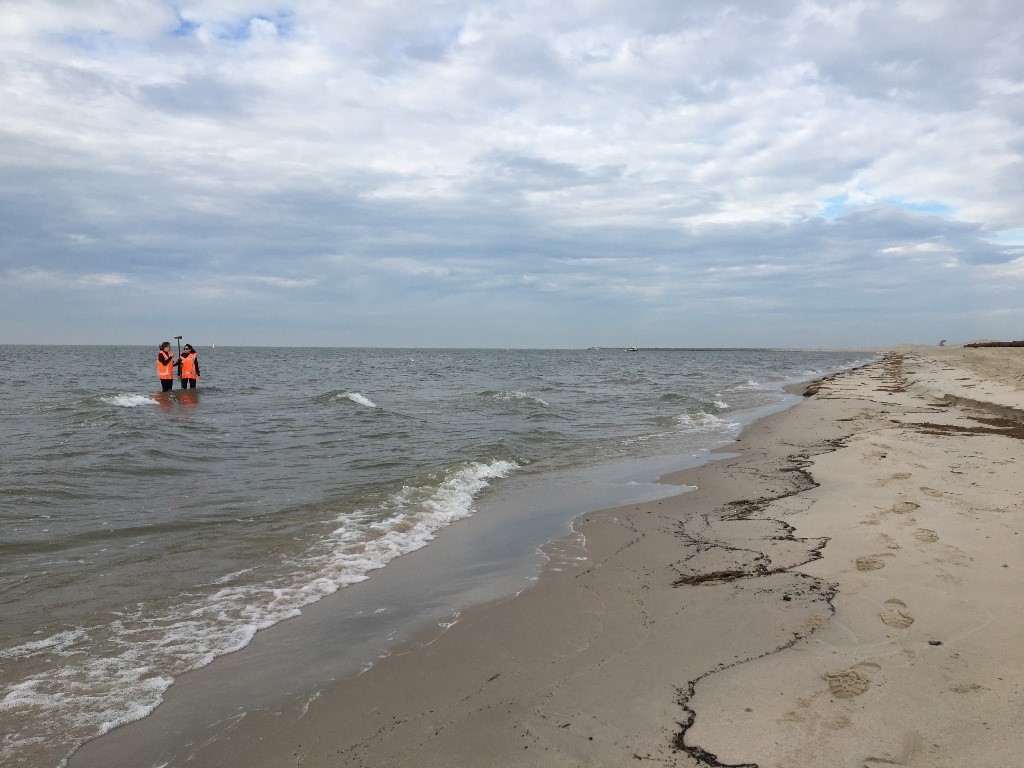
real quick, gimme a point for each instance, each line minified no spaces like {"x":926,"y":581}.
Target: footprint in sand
{"x":926,"y":535}
{"x":910,"y":746}
{"x":893,"y":478}
{"x":887,"y":541}
{"x":869,"y":563}
{"x":905,"y":507}
{"x":896,"y":614}
{"x":847,"y":684}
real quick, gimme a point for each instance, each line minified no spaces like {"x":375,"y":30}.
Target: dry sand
{"x":844,"y":592}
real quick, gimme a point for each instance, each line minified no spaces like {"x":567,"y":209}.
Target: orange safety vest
{"x":165,"y":370}
{"x":188,"y":366}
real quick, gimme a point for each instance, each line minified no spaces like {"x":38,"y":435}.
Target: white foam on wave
{"x":700,"y":422}
{"x":59,"y":643}
{"x":121,"y":670}
{"x":406,"y":521}
{"x":704,"y":422}
{"x":512,"y":396}
{"x":356,"y":397}
{"x":233,"y":575}
{"x":721,"y":404}
{"x":128,"y":400}
{"x":745,"y":386}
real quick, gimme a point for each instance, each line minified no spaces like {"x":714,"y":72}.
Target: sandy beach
{"x":842,"y":590}
{"x":923,"y":506}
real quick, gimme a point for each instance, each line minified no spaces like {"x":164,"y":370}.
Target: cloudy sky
{"x":512,"y":172}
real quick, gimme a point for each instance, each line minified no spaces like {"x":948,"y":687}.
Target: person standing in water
{"x":165,"y":366}
{"x":188,"y":367}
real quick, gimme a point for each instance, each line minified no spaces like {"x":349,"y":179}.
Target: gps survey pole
{"x":178,"y":339}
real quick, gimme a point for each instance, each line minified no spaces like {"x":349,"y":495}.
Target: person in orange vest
{"x":188,"y":367}
{"x":165,"y":366}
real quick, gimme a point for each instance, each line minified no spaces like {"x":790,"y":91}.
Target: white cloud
{"x":284,"y":282}
{"x":104,"y":279}
{"x":60,"y":279}
{"x":1011,"y":270}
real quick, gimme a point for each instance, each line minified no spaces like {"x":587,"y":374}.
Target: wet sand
{"x":843,"y":592}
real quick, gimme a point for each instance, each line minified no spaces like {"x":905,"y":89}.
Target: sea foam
{"x":704,"y":422}
{"x":357,"y":398}
{"x":520,"y":396}
{"x":128,"y":400}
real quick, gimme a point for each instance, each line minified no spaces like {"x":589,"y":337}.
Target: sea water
{"x":143,"y":535}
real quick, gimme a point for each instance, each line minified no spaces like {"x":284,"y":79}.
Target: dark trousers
{"x":166,"y":384}
{"x":186,"y":383}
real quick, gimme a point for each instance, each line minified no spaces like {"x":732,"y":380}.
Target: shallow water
{"x":144,"y":535}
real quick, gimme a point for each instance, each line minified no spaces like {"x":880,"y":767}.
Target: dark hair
{"x":165,"y":344}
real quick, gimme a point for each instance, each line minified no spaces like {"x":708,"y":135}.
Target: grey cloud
{"x":524,"y":55}
{"x":1010,"y":179}
{"x":198,"y":95}
{"x":934,"y":62}
{"x":526,"y":173}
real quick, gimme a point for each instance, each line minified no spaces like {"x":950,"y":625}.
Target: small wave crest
{"x":354,"y":397}
{"x":699,"y":422}
{"x":407,"y":520}
{"x":510,"y":397}
{"x":128,"y":400}
{"x":703,"y":422}
{"x":59,"y":644}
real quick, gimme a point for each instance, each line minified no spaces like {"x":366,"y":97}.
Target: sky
{"x":512,"y":173}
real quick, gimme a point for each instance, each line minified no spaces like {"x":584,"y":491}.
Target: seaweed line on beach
{"x":988,"y":419}
{"x":701,"y":755}
{"x":800,"y":480}
{"x":1001,"y":427}
{"x":825,"y":593}
{"x":893,"y":379}
{"x":892,"y":370}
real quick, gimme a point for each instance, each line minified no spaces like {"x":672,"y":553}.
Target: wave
{"x":359,"y":399}
{"x":700,"y":422}
{"x":704,"y":422}
{"x":122,"y":669}
{"x":59,"y":643}
{"x":749,"y":384}
{"x":354,"y":397}
{"x":509,"y":397}
{"x":128,"y":400}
